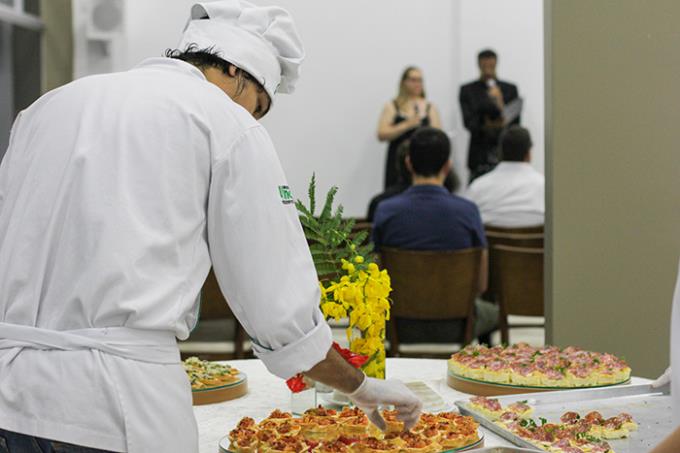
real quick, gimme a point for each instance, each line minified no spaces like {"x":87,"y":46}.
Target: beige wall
{"x":57,"y":44}
{"x":613,"y":172}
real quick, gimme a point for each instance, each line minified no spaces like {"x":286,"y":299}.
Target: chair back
{"x":432,"y":285}
{"x":520,"y":272}
{"x":218,"y":335}
{"x":529,"y":237}
{"x":213,"y":303}
{"x":515,"y":230}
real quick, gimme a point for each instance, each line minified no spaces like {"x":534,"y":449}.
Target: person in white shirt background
{"x":117,"y":194}
{"x":513,"y":194}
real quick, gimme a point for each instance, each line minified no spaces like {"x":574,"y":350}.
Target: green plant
{"x":330,"y":236}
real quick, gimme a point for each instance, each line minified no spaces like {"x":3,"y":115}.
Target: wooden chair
{"x":520,"y":290}
{"x":530,"y":237}
{"x":218,"y":334}
{"x":516,"y":230}
{"x":432,"y":285}
{"x":362,"y":225}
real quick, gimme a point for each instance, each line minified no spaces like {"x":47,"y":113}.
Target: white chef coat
{"x":116,"y":194}
{"x":511,"y":195}
{"x":675,"y":352}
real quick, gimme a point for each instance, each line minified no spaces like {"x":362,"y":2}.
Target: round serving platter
{"x":484,"y":388}
{"x":226,"y":392}
{"x":224,"y":445}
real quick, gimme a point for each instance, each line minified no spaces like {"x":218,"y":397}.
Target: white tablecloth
{"x":266,"y":392}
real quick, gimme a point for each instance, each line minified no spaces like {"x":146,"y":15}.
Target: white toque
{"x":260,"y":40}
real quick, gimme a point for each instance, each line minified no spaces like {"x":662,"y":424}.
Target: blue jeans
{"x":20,"y":443}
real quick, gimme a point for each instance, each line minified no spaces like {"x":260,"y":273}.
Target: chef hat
{"x":259,"y":40}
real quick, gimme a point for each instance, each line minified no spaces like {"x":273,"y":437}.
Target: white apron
{"x":148,"y":346}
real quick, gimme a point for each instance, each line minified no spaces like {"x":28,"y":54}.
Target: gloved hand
{"x":662,"y":380}
{"x":373,"y":393}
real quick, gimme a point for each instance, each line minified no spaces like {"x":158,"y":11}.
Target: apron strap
{"x":153,"y":346}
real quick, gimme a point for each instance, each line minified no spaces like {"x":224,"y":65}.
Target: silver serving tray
{"x":650,"y":408}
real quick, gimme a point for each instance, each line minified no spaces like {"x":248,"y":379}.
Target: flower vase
{"x":374,"y":348}
{"x":375,"y":366}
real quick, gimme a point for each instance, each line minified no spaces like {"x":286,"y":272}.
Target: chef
{"x":672,"y":443}
{"x":117,"y":194}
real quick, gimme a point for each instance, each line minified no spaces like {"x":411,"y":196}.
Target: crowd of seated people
{"x":422,"y":214}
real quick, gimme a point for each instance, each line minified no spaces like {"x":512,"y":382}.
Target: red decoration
{"x":356,"y":360}
{"x":297,"y":383}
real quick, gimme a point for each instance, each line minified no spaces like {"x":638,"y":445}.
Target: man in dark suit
{"x":482,"y":103}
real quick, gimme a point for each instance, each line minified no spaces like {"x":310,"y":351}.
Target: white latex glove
{"x":662,"y":380}
{"x":374,"y":393}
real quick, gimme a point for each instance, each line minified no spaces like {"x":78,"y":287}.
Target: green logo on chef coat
{"x":285,"y":194}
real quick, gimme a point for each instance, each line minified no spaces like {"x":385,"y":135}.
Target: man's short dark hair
{"x":515,"y":144}
{"x":210,"y":58}
{"x":429,"y":150}
{"x":487,"y":53}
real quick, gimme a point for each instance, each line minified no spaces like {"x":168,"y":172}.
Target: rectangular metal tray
{"x":650,"y":408}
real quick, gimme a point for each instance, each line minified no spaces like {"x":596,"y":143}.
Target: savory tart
{"x":489,"y":407}
{"x":278,"y":416}
{"x":417,"y":443}
{"x":394,"y":425}
{"x":573,"y":434}
{"x":549,"y":366}
{"x":521,"y":408}
{"x":335,"y":446}
{"x":350,"y":431}
{"x":319,"y":428}
{"x":204,"y":374}
{"x":284,"y":444}
{"x":375,"y":445}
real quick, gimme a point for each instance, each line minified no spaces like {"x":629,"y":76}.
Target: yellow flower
{"x":358,"y":259}
{"x":370,"y":368}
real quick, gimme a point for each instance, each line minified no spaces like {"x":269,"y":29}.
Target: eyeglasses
{"x":414,"y":79}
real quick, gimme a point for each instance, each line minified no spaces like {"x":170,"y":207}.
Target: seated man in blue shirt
{"x":428,"y":217}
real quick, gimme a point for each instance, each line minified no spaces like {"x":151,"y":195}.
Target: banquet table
{"x":267,"y":392}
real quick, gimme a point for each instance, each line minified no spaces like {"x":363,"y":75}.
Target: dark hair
{"x":210,"y":58}
{"x":429,"y":151}
{"x":487,"y":53}
{"x":515,"y":144}
{"x":403,"y":175}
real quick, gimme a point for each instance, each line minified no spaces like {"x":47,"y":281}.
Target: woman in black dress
{"x":402,"y":116}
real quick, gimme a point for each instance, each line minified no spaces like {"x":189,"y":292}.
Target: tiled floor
{"x":535,"y":336}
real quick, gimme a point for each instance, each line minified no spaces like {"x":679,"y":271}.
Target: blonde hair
{"x":402,"y":97}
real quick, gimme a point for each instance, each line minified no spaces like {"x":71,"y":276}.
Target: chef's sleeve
{"x":261,"y":258}
{"x":6,"y":157}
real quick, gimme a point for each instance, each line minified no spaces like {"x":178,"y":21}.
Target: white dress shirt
{"x":117,"y":193}
{"x":511,"y":195}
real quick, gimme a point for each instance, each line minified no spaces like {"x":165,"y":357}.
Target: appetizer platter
{"x":628,"y":419}
{"x":520,"y":368}
{"x":322,"y":430}
{"x":213,"y":382}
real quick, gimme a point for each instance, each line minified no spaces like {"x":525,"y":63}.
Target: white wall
{"x":356,"y":51}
